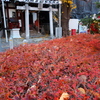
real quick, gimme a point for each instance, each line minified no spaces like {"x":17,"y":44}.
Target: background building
{"x":84,"y":8}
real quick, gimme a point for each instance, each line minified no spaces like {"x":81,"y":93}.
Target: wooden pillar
{"x":7,"y":11}
{"x":17,"y":12}
{"x":4,"y":19}
{"x":22,"y":20}
{"x":51,"y":22}
{"x":27,"y":21}
{"x":59,"y":32}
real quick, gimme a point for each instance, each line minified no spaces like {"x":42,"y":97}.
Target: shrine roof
{"x":4,"y":0}
{"x":52,"y":2}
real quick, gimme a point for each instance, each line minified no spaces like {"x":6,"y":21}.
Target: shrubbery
{"x":44,"y":71}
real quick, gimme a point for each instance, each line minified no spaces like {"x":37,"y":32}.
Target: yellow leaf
{"x":82,"y":91}
{"x":64,"y":96}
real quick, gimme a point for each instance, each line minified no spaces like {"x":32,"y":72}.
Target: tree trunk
{"x":66,"y":9}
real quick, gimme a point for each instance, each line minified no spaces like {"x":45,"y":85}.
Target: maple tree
{"x":67,"y":6}
{"x":65,"y":68}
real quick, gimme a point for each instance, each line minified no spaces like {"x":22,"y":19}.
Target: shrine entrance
{"x":38,"y":22}
{"x":44,"y":22}
{"x":40,"y":15}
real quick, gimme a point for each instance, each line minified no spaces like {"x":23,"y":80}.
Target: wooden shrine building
{"x":24,"y":14}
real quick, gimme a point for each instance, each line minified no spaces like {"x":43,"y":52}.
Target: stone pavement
{"x":17,"y":41}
